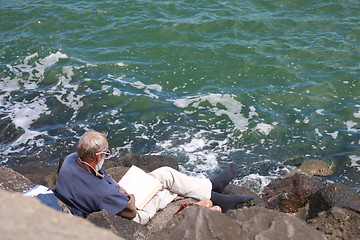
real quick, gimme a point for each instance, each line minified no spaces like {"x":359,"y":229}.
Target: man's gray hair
{"x":90,"y":143}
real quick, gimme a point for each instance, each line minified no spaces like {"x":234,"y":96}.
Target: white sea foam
{"x":193,"y":145}
{"x":23,"y":114}
{"x":116,"y":92}
{"x":230,"y":107}
{"x":147,"y":88}
{"x":64,"y":80}
{"x":121,"y":64}
{"x":357,"y":115}
{"x":195,"y":148}
{"x":318,"y":132}
{"x":255,"y":182}
{"x":334,"y":135}
{"x":355,"y":162}
{"x":320,"y":111}
{"x":252,"y":112}
{"x":350,"y":125}
{"x":265,"y":128}
{"x":27,"y":75}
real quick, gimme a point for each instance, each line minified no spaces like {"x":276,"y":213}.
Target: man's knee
{"x":162,"y":171}
{"x":163,"y":174}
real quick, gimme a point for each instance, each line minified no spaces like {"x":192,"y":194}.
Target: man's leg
{"x":157,"y":203}
{"x":227,"y":202}
{"x":187,"y":186}
{"x":198,"y":188}
{"x":220,"y":181}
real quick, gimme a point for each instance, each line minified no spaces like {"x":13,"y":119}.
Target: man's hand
{"x":124,"y":191}
{"x":130,"y":211}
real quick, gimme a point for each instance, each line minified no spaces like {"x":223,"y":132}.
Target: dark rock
{"x":199,"y":223}
{"x":316,"y":167}
{"x":247,"y":223}
{"x":117,"y":172}
{"x":338,"y":223}
{"x":232,"y":189}
{"x":290,"y":193}
{"x":14,"y":181}
{"x":120,"y":226}
{"x":148,"y":162}
{"x":26,"y":218}
{"x":38,"y":173}
{"x":161,"y":218}
{"x":261,"y":223}
{"x":9,"y":132}
{"x":334,"y":195}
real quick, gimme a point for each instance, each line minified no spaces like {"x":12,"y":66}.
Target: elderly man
{"x":84,"y":186}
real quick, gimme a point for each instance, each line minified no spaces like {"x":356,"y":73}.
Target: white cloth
{"x":174,"y":183}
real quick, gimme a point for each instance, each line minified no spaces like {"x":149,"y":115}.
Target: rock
{"x":38,"y":173}
{"x":117,"y":172}
{"x":148,"y":162}
{"x":261,"y":223}
{"x":316,"y":167}
{"x":334,"y":195}
{"x":14,"y":181}
{"x":120,"y":226}
{"x":247,"y":223}
{"x":161,"y":218}
{"x":26,"y":218}
{"x":338,"y":223}
{"x":302,"y":213}
{"x":8,"y":131}
{"x":197,"y":223}
{"x":232,"y":189}
{"x":290,"y":193}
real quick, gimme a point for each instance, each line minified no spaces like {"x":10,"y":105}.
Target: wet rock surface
{"x":290,"y":193}
{"x":316,"y":167}
{"x":338,"y":223}
{"x":334,"y":195}
{"x":147,"y":162}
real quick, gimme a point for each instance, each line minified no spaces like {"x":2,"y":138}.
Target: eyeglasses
{"x":107,"y":154}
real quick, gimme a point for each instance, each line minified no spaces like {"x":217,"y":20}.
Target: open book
{"x":142,"y":185}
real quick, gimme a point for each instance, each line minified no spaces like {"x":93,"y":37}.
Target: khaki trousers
{"x":174,"y":183}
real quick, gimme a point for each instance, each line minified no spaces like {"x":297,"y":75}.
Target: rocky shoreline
{"x":298,"y":206}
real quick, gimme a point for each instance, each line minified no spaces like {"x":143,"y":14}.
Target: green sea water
{"x":265,"y":84}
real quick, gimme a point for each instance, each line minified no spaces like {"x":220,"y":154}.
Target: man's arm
{"x":130,"y":211}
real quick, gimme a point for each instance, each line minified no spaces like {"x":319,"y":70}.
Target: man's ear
{"x":97,"y":158}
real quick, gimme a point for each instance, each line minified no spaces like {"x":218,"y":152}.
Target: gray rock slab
{"x":120,"y":226}
{"x":26,"y":218}
{"x":338,"y":223}
{"x":265,"y":224}
{"x":334,"y":195}
{"x":14,"y":181}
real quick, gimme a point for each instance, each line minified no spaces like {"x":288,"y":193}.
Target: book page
{"x":142,"y":185}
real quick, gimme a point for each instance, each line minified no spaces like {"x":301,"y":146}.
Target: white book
{"x":141,"y":184}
